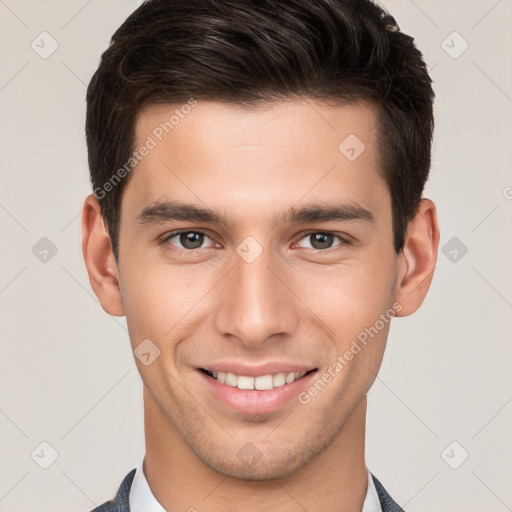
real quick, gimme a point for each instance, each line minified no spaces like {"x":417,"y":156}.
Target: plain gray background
{"x":67,"y":374}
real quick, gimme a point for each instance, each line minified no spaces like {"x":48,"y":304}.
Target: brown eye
{"x":191,"y":240}
{"x":321,"y":240}
{"x":186,"y":240}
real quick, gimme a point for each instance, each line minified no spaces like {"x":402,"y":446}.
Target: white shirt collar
{"x":143,"y":500}
{"x":141,"y":497}
{"x":371,"y":502}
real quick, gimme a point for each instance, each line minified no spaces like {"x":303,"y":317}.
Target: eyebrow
{"x":160,"y":212}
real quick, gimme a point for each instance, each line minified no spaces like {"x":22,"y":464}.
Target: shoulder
{"x":121,"y":502}
{"x":388,"y":504}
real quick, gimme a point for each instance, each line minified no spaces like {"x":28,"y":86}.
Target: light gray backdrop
{"x":440,"y":412}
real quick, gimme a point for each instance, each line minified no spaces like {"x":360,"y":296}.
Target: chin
{"x":262,"y":470}
{"x":265,"y":463}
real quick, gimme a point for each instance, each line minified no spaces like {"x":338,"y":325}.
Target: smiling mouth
{"x":261,"y":383}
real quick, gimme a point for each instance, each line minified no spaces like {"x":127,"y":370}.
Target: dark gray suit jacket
{"x":121,"y":501}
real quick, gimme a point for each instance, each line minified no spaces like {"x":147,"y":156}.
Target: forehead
{"x":278,"y":153}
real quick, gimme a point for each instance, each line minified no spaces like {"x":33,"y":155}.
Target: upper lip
{"x":256,"y":370}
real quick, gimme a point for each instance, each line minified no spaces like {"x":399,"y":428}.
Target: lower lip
{"x":252,"y":401}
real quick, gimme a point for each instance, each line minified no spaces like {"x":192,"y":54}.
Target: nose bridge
{"x":255,"y":303}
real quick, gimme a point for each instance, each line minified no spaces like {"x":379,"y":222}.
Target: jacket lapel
{"x":121,"y":503}
{"x":386,"y":501}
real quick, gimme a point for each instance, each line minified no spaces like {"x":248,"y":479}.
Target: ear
{"x":417,"y":260}
{"x":99,"y":259}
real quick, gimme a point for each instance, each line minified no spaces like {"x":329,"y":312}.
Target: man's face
{"x":267,"y":292}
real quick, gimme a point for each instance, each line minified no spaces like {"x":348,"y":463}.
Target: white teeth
{"x":290,"y":377}
{"x":279,"y":379}
{"x":262,"y":383}
{"x":243,"y":382}
{"x":230,"y":379}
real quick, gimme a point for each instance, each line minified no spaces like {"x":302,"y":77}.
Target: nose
{"x":256,"y":302}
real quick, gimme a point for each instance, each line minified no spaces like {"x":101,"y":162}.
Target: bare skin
{"x":296,"y":303}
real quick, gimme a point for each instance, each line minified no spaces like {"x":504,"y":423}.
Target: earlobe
{"x":417,"y":260}
{"x":99,"y":259}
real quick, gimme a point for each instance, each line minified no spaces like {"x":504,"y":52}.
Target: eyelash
{"x":164,"y":240}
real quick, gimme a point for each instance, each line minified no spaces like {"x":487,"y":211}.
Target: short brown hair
{"x":244,"y":52}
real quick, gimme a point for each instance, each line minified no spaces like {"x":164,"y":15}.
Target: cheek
{"x":351,"y":296}
{"x":157,"y":298}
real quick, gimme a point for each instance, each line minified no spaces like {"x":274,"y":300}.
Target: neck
{"x":335,"y":480}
